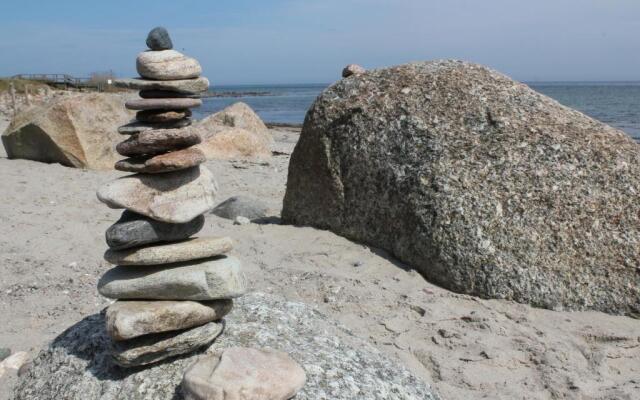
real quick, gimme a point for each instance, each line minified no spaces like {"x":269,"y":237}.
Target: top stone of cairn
{"x":158,"y":39}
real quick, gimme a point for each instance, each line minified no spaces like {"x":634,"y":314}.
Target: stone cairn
{"x":172,"y":289}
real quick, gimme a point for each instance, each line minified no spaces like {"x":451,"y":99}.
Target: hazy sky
{"x":296,"y":41}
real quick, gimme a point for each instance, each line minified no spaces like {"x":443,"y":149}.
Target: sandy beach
{"x":52,"y":243}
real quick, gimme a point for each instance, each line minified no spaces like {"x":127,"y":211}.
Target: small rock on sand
{"x":241,"y":206}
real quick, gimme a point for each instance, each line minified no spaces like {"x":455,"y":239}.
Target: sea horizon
{"x":616,"y":103}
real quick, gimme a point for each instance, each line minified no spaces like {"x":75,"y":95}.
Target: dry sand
{"x":51,"y":246}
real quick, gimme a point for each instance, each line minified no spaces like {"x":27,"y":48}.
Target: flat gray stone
{"x":163,"y":104}
{"x":192,"y":86}
{"x":159,"y":39}
{"x":173,"y":161}
{"x":161,"y":94}
{"x":130,"y":319}
{"x":158,"y":142}
{"x":162,"y":116}
{"x":137,"y":126}
{"x":150,"y":349}
{"x":339,"y":365}
{"x":175,"y":197}
{"x":241,"y":206}
{"x":167,"y":65}
{"x":186,"y":250}
{"x":208,"y":279}
{"x":134,"y":230}
{"x":244,"y":373}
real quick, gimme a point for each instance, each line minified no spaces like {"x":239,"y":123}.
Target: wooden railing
{"x":61,"y":80}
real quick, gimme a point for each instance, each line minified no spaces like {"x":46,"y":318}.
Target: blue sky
{"x":304,"y":41}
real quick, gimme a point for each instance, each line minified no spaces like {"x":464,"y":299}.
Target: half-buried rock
{"x":173,"y":161}
{"x":133,"y":230}
{"x":208,"y":279}
{"x":157,"y":142}
{"x":167,"y":65}
{"x":163,"y":104}
{"x":190,"y":249}
{"x":175,"y":197}
{"x":153,"y":348}
{"x":162,"y":116}
{"x":130,"y":319}
{"x":244,"y":373}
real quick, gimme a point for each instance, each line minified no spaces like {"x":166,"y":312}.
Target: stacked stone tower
{"x":172,"y":289}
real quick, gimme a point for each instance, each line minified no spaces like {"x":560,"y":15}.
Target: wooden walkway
{"x":62,"y":81}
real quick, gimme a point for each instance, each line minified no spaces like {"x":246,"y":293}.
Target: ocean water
{"x":614,"y":103}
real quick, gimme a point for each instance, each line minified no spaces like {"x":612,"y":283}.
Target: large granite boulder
{"x":77,"y":366}
{"x":477,"y":181}
{"x":235,"y":132}
{"x":79,"y":130}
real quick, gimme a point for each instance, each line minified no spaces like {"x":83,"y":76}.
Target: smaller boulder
{"x":241,"y":206}
{"x":159,"y":39}
{"x":352,"y":69}
{"x":77,"y":131}
{"x":244,"y":373}
{"x":235,"y":132}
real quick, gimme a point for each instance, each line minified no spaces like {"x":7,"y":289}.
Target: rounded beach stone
{"x":162,"y":115}
{"x":157,"y":142}
{"x":244,"y":373}
{"x":175,"y":197}
{"x":137,"y":126}
{"x":163,"y":104}
{"x":190,"y":249}
{"x":207,"y":279}
{"x":167,"y":65}
{"x":133,"y":230}
{"x":173,"y":161}
{"x":241,"y":206}
{"x":187,"y":86}
{"x":150,"y":349}
{"x":159,"y":39}
{"x":130,"y":319}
